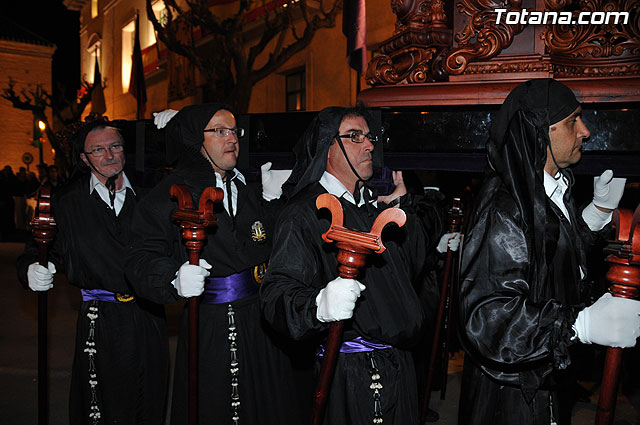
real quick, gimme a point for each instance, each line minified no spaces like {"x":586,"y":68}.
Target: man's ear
{"x":552,"y":128}
{"x":84,"y":159}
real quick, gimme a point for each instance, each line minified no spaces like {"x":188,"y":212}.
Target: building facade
{"x":26,"y":61}
{"x":312,"y":79}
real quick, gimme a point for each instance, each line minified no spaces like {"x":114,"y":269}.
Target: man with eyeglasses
{"x":120,"y":369}
{"x":302,"y":295}
{"x":244,"y":376}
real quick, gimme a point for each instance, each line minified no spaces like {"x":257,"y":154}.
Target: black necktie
{"x":111,"y":187}
{"x":228,"y":178}
{"x":366,"y":196}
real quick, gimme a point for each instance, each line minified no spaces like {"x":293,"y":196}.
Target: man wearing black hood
{"x":302,"y":294}
{"x":523,"y":264}
{"x":244,"y":376}
{"x":121,"y":363}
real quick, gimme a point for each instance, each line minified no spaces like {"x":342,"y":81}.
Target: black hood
{"x":185,"y":129}
{"x":313,"y":147}
{"x":517,"y":152}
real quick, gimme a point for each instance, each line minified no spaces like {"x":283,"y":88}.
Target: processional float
{"x":353,"y":248}
{"x":193,"y":224}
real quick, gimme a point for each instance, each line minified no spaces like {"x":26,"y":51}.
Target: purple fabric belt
{"x":218,"y":290}
{"x":357,"y":345}
{"x":104,"y":295}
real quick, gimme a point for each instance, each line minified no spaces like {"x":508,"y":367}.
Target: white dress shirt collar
{"x":555,"y":190}
{"x":234,"y":190}
{"x":336,"y":188}
{"x":98,"y":186}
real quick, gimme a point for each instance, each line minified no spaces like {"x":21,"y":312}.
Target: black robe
{"x":132,"y":354}
{"x":518,"y":343}
{"x":388,"y":311}
{"x":267,"y":394}
{"x":521,"y":286}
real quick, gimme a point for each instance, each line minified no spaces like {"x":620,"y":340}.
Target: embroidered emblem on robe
{"x":259,"y":271}
{"x":258,"y":234}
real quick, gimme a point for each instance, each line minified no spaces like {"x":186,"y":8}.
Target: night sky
{"x":51,"y":20}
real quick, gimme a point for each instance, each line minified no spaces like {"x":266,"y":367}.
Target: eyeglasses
{"x":225,"y":132}
{"x":98,"y":152}
{"x":358,"y":136}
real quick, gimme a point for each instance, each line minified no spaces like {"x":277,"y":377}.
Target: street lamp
{"x":37,"y":137}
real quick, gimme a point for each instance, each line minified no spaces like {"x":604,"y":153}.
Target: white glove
{"x":610,"y":321}
{"x":189,"y":279}
{"x":337,"y":300}
{"x":607,"y":191}
{"x":272,"y":181}
{"x":162,"y":118}
{"x":41,"y":278}
{"x":450,"y":241}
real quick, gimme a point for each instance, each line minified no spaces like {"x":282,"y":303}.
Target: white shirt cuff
{"x":595,"y":219}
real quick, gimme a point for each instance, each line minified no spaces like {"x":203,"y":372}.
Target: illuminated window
{"x":95,"y":56}
{"x":295,"y":90}
{"x":94,"y":8}
{"x":128,"y":36}
{"x":161,"y":15}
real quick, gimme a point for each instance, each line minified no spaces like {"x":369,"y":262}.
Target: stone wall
{"x":27,"y":65}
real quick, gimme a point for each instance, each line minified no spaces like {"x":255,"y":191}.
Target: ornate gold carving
{"x":601,"y":70}
{"x":437,"y":17}
{"x":414,"y":37}
{"x":407,"y":57}
{"x":507,"y":67}
{"x":481,"y":38}
{"x":596,"y":41}
{"x":411,"y":65}
{"x":418,"y":14}
{"x":603,"y":50}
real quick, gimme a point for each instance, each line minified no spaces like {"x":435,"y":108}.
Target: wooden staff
{"x":193,"y":224}
{"x":454,"y":221}
{"x":452,"y":294}
{"x":43,"y":228}
{"x":353,"y":248}
{"x":624,"y":274}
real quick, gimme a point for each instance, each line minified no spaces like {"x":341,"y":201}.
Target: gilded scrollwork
{"x":595,"y":41}
{"x":411,"y":65}
{"x":418,"y":14}
{"x":482,"y":37}
{"x":421,"y":34}
{"x":506,"y":68}
{"x":617,"y":70}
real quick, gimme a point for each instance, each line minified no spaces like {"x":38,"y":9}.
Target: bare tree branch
{"x":227,"y":60}
{"x":37,"y":101}
{"x":276,"y":61}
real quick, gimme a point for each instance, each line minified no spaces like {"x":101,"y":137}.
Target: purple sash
{"x":357,"y":345}
{"x":218,"y":290}
{"x":98,"y":295}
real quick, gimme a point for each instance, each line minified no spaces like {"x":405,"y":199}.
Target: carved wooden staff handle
{"x":624,"y":274}
{"x":193,"y":224}
{"x":454,"y":220}
{"x":353,"y":248}
{"x":43,"y":228}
